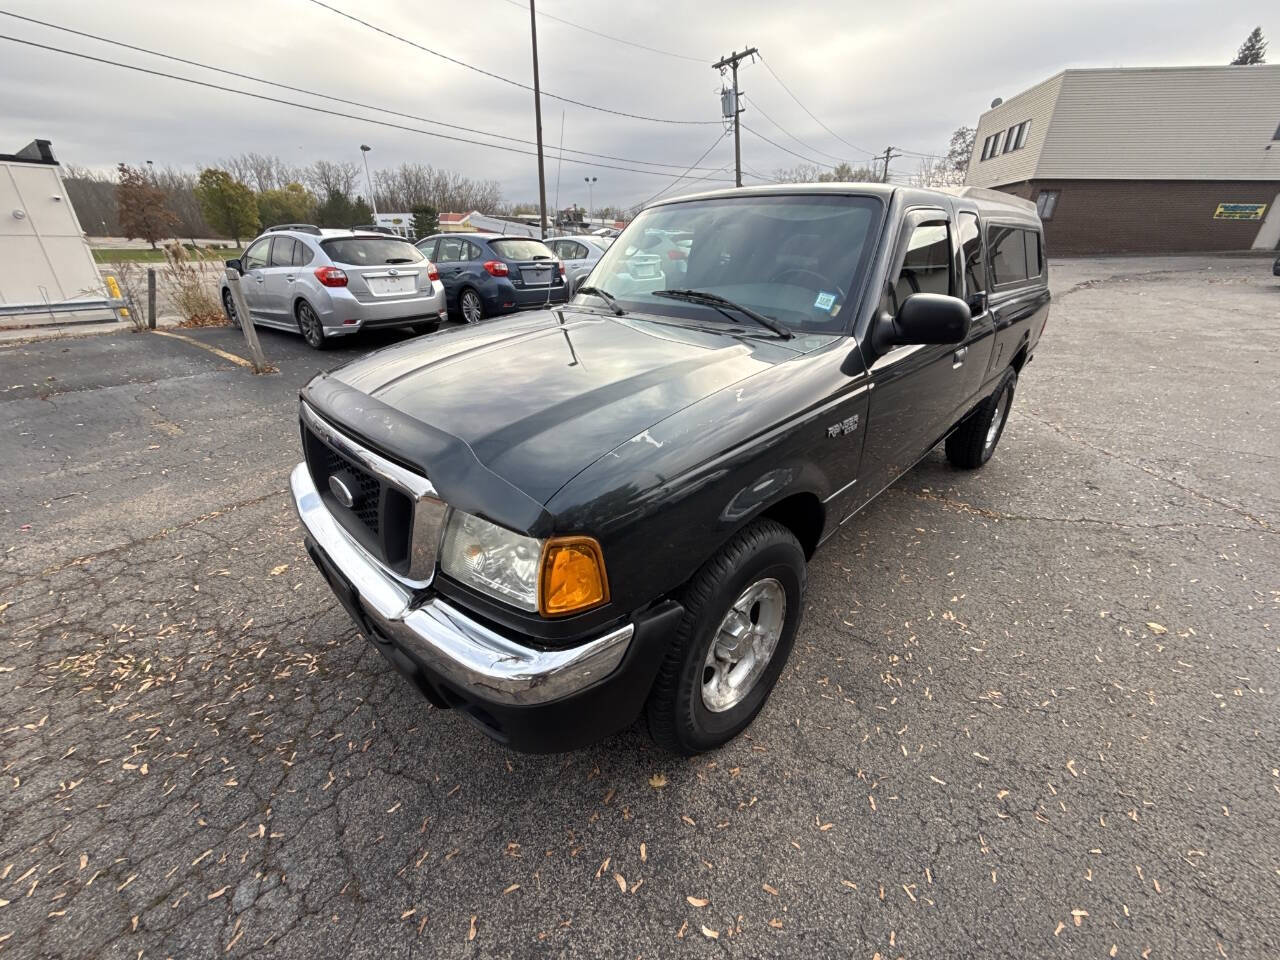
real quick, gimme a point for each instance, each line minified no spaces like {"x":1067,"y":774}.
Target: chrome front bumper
{"x":444,"y":639}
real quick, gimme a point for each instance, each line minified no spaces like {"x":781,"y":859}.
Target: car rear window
{"x":371,"y":251}
{"x":518,"y":248}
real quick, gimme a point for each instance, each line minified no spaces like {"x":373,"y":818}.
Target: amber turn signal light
{"x":572,"y":577}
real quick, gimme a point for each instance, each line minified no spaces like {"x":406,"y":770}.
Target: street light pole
{"x":373,"y":202}
{"x":590,"y":181}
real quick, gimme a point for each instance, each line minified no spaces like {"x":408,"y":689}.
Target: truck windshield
{"x":797,"y":259}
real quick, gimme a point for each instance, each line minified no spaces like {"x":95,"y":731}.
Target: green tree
{"x":339,"y":210}
{"x":141,"y":207}
{"x":292,"y":203}
{"x":426,"y":221}
{"x":363,"y":213}
{"x":1252,"y":51}
{"x":227,"y":204}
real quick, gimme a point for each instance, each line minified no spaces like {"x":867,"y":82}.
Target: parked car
{"x":486,"y":275}
{"x":579,"y":254}
{"x":334,"y":283}
{"x":586,"y":515}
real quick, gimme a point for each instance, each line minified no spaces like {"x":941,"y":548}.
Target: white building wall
{"x":1035,"y":105}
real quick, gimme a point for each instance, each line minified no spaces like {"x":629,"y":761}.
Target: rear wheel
{"x":742,"y":610}
{"x":229,"y":305}
{"x":974,"y":441}
{"x":310,"y":327}
{"x":470,"y":306}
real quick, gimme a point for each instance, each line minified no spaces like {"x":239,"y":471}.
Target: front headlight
{"x":491,"y":559}
{"x":553,"y":577}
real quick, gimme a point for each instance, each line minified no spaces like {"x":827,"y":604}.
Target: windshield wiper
{"x":607,"y":297}
{"x":720,"y":303}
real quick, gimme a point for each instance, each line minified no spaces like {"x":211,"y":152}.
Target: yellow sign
{"x":1240,"y":211}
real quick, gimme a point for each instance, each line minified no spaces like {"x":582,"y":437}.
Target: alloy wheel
{"x":470,"y":307}
{"x":743,"y":645}
{"x":310,"y":323}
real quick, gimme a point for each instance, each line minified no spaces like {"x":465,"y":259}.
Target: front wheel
{"x":974,"y":441}
{"x":229,"y":305}
{"x":742,"y":610}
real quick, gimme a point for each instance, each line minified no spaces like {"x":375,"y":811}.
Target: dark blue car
{"x":485,"y":275}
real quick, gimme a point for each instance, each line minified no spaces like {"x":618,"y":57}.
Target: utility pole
{"x":733,"y":109}
{"x":537,"y":117}
{"x":888,"y":155}
{"x":373,"y":201}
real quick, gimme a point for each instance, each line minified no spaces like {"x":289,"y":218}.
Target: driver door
{"x":253,"y":269}
{"x":915,"y":387}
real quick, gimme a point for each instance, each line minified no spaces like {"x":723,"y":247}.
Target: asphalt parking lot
{"x":1031,"y":710}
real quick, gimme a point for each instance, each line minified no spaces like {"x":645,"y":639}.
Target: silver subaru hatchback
{"x":326,"y":284}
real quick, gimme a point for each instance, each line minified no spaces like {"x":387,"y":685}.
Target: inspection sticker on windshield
{"x":825,"y":300}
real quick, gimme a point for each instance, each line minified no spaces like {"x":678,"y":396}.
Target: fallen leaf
{"x":683,"y":927}
{"x":710,"y":934}
{"x":658,"y":781}
{"x":1157,"y":628}
{"x":775,"y":923}
{"x":688,"y":819}
{"x":620,"y":881}
{"x":1077,"y":915}
{"x":697,"y":901}
{"x":769,"y":889}
{"x":1060,"y":927}
{"x":644,"y":854}
{"x":511,"y":889}
{"x":471,"y":934}
{"x":276,"y":571}
{"x":217,"y":893}
{"x":408,"y":913}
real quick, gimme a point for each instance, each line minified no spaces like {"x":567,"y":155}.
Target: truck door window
{"x":1032,"y":240}
{"x":975,"y":267}
{"x":927,"y":266}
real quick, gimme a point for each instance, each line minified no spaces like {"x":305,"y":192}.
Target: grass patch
{"x":117,"y":255}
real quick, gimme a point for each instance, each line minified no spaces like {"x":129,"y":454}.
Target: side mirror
{"x":234,"y":264}
{"x":977,"y":302}
{"x":924,"y":318}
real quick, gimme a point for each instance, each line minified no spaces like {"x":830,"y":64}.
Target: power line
{"x":685,"y":176}
{"x":810,"y":112}
{"x":322,"y":96}
{"x":774,"y":143}
{"x":316,"y":109}
{"x":629,"y":43}
{"x":507,"y":80}
{"x":794,"y":137}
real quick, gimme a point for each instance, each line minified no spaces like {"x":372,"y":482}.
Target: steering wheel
{"x":823,"y":282}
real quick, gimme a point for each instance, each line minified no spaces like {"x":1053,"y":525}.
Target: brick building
{"x":1139,"y":160}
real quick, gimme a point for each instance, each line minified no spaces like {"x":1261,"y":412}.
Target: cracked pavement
{"x":1031,"y":710}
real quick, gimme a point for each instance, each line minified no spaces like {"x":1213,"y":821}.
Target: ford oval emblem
{"x":341,"y":491}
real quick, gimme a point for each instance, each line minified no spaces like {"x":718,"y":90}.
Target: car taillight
{"x":561,"y":268}
{"x":676,"y":254}
{"x":432,"y":272}
{"x":331,"y":276}
{"x":495,"y":268}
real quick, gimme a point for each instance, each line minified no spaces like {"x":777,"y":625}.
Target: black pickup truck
{"x":560,"y":522}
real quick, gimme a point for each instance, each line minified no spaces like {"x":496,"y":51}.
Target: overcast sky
{"x":898,"y":73}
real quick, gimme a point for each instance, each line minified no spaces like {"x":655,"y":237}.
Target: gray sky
{"x":904,"y":73}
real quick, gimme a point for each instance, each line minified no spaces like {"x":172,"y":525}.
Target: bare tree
{"x":327,"y":178}
{"x":92,"y":195}
{"x":179,"y":188}
{"x":412,"y":185}
{"x":260,"y":171}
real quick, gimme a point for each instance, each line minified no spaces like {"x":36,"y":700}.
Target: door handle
{"x":289,"y":278}
{"x":260,"y":279}
{"x":958,"y":357}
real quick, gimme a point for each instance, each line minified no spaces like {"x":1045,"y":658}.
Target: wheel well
{"x":1019,"y":359}
{"x":803,"y":515}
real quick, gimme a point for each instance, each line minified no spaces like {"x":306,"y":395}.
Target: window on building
{"x":1011,"y":137}
{"x":1008,"y":254}
{"x":975,"y":268}
{"x":1046,"y":203}
{"x":1023,"y":127}
{"x":926,"y":267}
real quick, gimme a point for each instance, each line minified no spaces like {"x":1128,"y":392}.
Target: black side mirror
{"x":234,"y":264}
{"x":977,"y":302}
{"x":924,"y":318}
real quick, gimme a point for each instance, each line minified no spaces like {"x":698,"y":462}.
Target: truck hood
{"x":538,"y":398}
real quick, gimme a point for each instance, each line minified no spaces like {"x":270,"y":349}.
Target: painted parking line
{"x":241,"y":361}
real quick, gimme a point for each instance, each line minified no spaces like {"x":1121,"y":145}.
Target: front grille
{"x":380,"y":517}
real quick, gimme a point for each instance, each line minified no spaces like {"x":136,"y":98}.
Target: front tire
{"x":742,"y":610}
{"x":229,"y":306}
{"x":974,"y":441}
{"x":310,"y":327}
